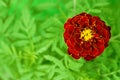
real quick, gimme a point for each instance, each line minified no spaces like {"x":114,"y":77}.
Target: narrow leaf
{"x":101,"y":4}
{"x":95,"y":10}
{"x":7,"y":23}
{"x":55,"y":61}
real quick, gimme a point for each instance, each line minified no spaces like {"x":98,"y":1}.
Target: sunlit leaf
{"x":21,"y":43}
{"x":95,"y":10}
{"x":116,"y":77}
{"x":101,"y":4}
{"x":2,"y":3}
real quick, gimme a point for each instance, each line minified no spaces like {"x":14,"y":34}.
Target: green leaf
{"x":87,"y":4}
{"x":48,"y":21}
{"x":115,"y":37}
{"x":40,"y":75}
{"x":62,"y":42}
{"x":19,"y":66}
{"x":116,"y":47}
{"x":116,"y":41}
{"x":7,"y":23}
{"x":107,"y":78}
{"x":56,"y":61}
{"x":18,"y":35}
{"x":69,"y":5}
{"x":101,"y":4}
{"x":73,"y":65}
{"x":21,"y":43}
{"x":36,"y":39}
{"x":32,"y":30}
{"x":112,"y":73}
{"x":44,"y":46}
{"x":26,"y":76}
{"x":116,"y":77}
{"x":43,"y":67}
{"x":2,"y":3}
{"x":58,"y":22}
{"x":45,"y":5}
{"x":62,"y":75}
{"x":8,"y":72}
{"x":95,"y":10}
{"x":51,"y":72}
{"x":59,"y":51}
{"x":104,"y":67}
{"x":1,"y":22}
{"x":26,"y":17}
{"x":5,"y":47}
{"x":49,"y":35}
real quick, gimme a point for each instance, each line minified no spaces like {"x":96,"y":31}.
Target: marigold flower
{"x":86,"y":36}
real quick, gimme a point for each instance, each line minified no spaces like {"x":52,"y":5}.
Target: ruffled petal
{"x":86,"y":36}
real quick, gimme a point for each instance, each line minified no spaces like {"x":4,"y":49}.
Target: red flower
{"x":86,"y":36}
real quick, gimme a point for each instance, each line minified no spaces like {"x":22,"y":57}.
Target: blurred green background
{"x":32,"y":45}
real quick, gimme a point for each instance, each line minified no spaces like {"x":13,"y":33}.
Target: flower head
{"x":86,"y":36}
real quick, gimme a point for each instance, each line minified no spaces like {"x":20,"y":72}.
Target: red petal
{"x":74,"y":53}
{"x":100,"y":41}
{"x":76,"y":56}
{"x":96,"y":35}
{"x":105,"y":32}
{"x":89,"y":16}
{"x":69,"y":44}
{"x":101,"y":48}
{"x":66,"y":25}
{"x":88,"y":58}
{"x":84,"y":21}
{"x":77,"y":36}
{"x":86,"y":45}
{"x":101,"y":23}
{"x":75,"y":19}
{"x":71,"y":29}
{"x":69,"y":20}
{"x":78,"y":47}
{"x":92,"y":21}
{"x":66,"y":36}
{"x":99,"y":29}
{"x":83,"y":14}
{"x":86,"y":52}
{"x":95,"y":52}
{"x":77,"y":30}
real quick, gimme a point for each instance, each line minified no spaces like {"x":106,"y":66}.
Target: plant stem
{"x":114,"y":72}
{"x":115,"y":37}
{"x":74,"y":6}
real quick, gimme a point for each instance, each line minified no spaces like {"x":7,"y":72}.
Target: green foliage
{"x":32,"y":45}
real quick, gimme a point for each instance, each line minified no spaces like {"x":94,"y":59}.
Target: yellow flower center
{"x":86,"y":34}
